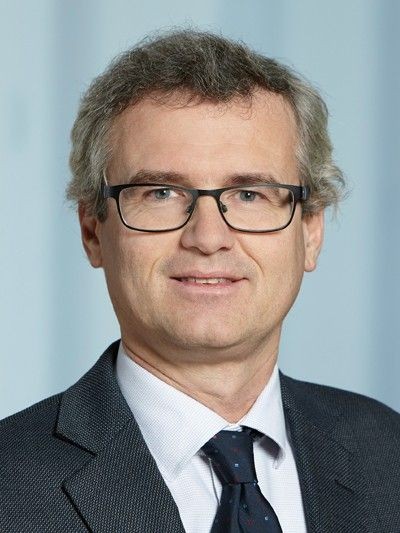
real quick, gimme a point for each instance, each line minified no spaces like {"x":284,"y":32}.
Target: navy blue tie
{"x":242,"y":507}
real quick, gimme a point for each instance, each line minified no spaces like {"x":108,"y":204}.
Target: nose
{"x":206,"y":230}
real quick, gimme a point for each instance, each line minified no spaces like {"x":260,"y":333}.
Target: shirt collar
{"x":186,"y":424}
{"x":267,"y":416}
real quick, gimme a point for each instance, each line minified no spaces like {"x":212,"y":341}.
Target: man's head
{"x":207,"y":112}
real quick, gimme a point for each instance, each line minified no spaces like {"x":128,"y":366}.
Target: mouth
{"x":215,"y":290}
{"x":206,"y":281}
{"x":214,"y":277}
{"x":217,"y":283}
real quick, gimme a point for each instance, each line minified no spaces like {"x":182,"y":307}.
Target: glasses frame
{"x":300,"y":194}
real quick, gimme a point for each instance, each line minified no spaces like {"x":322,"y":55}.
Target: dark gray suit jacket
{"x":77,"y":462}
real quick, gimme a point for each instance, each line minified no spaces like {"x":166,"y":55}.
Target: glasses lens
{"x":258,"y":208}
{"x":154,"y":207}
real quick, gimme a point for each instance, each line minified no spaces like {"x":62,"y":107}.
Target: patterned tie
{"x":242,"y":507}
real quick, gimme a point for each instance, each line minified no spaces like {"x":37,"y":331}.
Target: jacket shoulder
{"x":348,"y":402}
{"x":359,"y":419}
{"x":30,"y":422}
{"x":28,"y":444}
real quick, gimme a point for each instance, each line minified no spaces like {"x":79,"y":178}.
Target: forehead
{"x":205,"y":139}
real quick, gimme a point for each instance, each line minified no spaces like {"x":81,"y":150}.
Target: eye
{"x":160,"y":194}
{"x":248,"y":196}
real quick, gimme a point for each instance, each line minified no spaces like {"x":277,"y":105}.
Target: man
{"x":201,"y":171}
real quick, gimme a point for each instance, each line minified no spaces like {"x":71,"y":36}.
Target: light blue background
{"x":55,"y":315}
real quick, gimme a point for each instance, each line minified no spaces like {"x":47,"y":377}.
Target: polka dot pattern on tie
{"x":243,"y":507}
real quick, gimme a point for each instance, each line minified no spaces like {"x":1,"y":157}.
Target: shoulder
{"x":343,"y":400}
{"x":34,"y":422}
{"x":331,"y":399}
{"x":33,"y":461}
{"x":366,"y":420}
{"x":27,"y":440}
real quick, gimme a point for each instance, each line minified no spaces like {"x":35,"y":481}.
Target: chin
{"x":207,"y":338}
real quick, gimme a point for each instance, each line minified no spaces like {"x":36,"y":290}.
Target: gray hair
{"x":206,"y":67}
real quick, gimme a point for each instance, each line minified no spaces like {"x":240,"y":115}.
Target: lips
{"x":207,"y":277}
{"x":208,"y":281}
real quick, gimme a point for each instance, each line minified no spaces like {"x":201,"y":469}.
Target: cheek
{"x":280,"y":262}
{"x":131,"y":264}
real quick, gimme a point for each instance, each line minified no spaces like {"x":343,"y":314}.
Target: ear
{"x":90,"y":226}
{"x":313,"y":231}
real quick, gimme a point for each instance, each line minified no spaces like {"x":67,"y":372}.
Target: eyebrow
{"x":176,"y":178}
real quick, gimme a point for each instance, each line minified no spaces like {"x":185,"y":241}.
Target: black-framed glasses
{"x":159,"y":207}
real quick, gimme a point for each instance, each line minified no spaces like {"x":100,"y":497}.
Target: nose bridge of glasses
{"x":214,"y":193}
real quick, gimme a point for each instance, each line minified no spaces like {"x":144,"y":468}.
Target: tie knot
{"x":231,"y":453}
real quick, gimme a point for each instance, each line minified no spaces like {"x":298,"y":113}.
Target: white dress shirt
{"x":176,"y":426}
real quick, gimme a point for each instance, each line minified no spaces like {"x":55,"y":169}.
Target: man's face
{"x":207,"y":144}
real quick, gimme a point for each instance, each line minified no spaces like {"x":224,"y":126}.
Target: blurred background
{"x":55,"y":316}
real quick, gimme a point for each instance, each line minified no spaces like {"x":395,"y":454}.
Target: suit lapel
{"x":335,"y":490}
{"x":120,"y":487}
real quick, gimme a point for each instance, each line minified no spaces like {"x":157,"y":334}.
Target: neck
{"x":229,"y":388}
